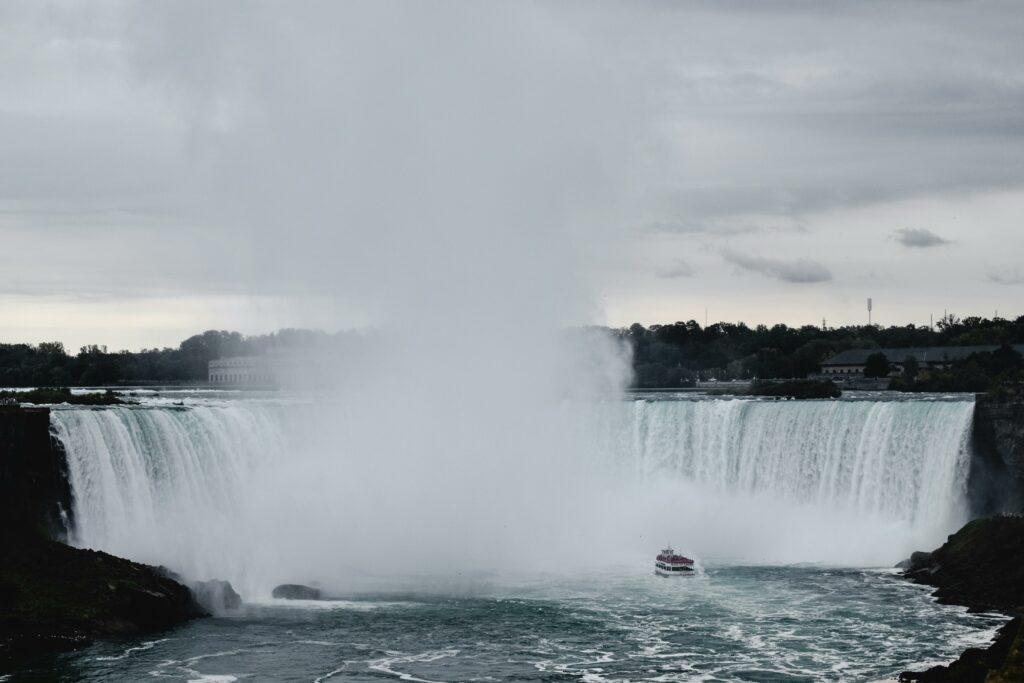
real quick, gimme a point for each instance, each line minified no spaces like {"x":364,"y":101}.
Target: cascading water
{"x":850,"y":482}
{"x":151,"y":483}
{"x":202,"y":488}
{"x":904,"y":460}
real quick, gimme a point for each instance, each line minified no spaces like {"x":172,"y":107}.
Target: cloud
{"x":677,"y":269}
{"x":918,"y":237}
{"x":816,"y":121}
{"x":724,"y":226}
{"x":802,"y":270}
{"x":1007,"y":276}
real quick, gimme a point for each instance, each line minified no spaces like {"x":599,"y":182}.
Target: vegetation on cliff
{"x":979,"y":567}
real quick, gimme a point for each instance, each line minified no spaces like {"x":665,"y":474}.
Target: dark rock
{"x":35,"y":491}
{"x":917,"y":560}
{"x":60,"y":395}
{"x":56,"y":597}
{"x":996,"y":482}
{"x":53,"y":596}
{"x":1002,"y":662}
{"x":797,"y":389}
{"x":979,"y":566}
{"x":295,"y":591}
{"x":216,"y":596}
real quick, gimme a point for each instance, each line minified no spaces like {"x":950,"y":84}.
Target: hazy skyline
{"x":769,"y":164}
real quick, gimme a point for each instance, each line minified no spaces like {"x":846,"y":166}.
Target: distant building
{"x":283,"y":369}
{"x":852,"y":361}
{"x":242,"y":371}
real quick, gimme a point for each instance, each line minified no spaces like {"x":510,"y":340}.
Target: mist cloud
{"x":428,"y":164}
{"x":800,"y":270}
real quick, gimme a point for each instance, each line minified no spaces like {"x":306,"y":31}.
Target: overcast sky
{"x":768,"y":162}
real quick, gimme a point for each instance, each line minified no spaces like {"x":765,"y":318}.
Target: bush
{"x":62,"y":395}
{"x":803,"y":388}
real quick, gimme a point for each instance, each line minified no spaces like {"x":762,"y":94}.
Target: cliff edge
{"x":979,"y":567}
{"x":997,"y":469}
{"x":53,"y":596}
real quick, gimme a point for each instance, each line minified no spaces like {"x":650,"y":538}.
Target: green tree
{"x":910,"y":368}
{"x":876,"y":365}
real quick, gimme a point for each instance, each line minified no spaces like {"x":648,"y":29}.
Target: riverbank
{"x":980,"y":568}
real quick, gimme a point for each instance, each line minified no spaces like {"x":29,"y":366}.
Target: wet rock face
{"x":295,"y":591}
{"x":216,"y":597}
{"x":916,"y":561}
{"x":997,"y":470}
{"x":981,"y":566}
{"x":35,"y":492}
{"x":53,"y":596}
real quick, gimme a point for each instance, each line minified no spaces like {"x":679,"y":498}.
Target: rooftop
{"x":923,"y":354}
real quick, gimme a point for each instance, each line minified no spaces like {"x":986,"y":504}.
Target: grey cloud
{"x":918,"y":237}
{"x":802,"y":270}
{"x":677,"y":269}
{"x":723,"y":227}
{"x":811,"y":119}
{"x":1008,"y":276}
{"x":702,"y":228}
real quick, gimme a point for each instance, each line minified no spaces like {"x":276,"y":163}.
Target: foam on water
{"x":730,"y":624}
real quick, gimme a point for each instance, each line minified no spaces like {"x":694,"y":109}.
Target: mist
{"x":454,"y":177}
{"x":446,"y":172}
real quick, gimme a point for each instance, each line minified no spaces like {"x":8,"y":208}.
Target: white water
{"x":902,"y":460}
{"x":218,"y":489}
{"x":166,"y":485}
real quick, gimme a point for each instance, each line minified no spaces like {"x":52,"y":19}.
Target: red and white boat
{"x":667,"y":563}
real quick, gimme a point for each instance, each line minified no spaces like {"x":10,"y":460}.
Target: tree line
{"x":50,"y":365}
{"x":664,"y":356}
{"x":681,"y":353}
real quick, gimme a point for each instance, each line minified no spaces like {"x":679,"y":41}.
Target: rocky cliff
{"x":53,"y":596}
{"x":980,"y":567}
{"x":997,"y":471}
{"x":34,"y":491}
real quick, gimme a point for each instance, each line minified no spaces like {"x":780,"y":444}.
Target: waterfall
{"x":147,"y":483}
{"x":227,"y":489}
{"x":898,"y":459}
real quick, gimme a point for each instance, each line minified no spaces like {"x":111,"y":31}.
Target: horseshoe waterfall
{"x":228,"y":489}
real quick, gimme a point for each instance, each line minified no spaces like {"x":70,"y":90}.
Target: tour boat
{"x":669,"y":564}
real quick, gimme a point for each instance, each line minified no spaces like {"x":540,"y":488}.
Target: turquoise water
{"x":730,"y":623}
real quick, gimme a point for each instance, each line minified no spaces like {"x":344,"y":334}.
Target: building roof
{"x":923,"y":354}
